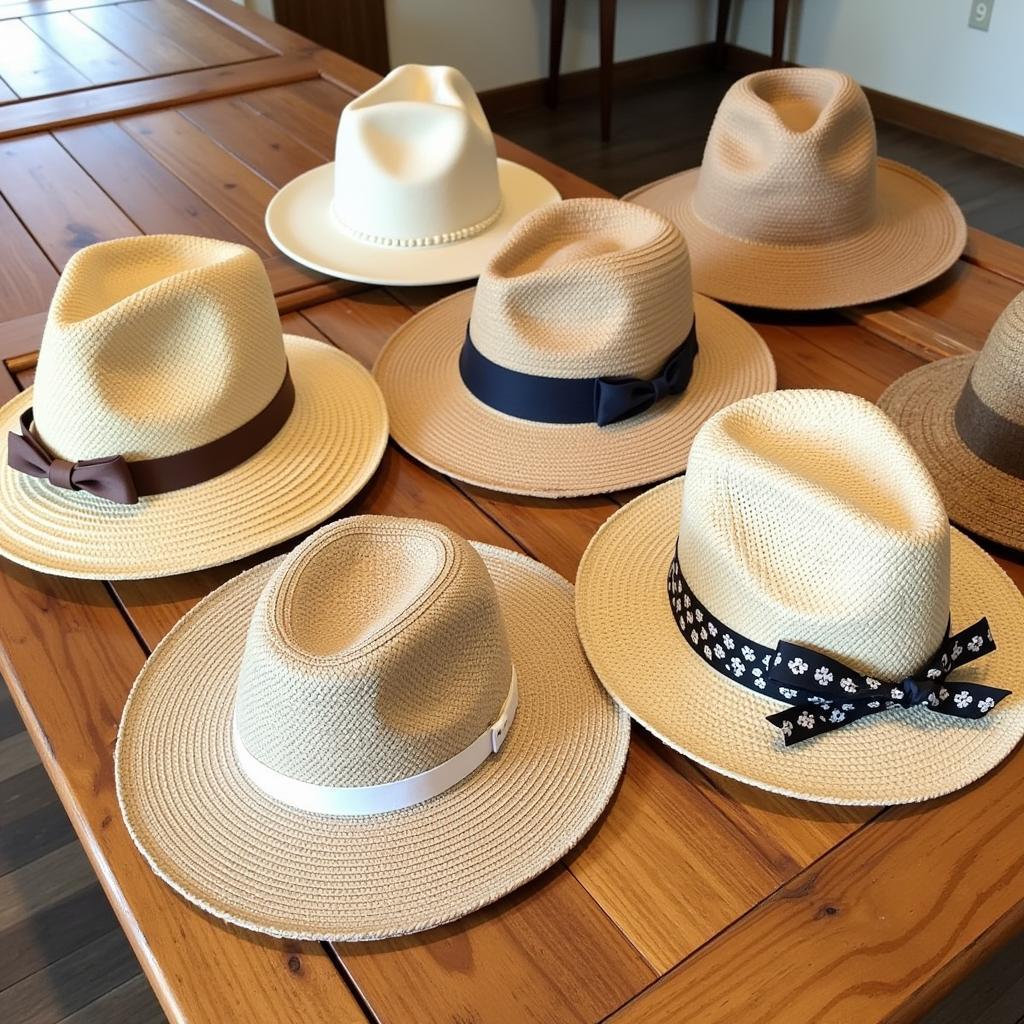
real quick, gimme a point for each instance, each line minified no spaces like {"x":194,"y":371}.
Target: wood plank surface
{"x":30,"y":67}
{"x":86,"y":51}
{"x":207,"y":38}
{"x":154,"y":48}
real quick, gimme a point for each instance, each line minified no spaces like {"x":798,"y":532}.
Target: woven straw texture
{"x":978,"y":496}
{"x":586,"y":288}
{"x":792,"y":209}
{"x":870,"y":527}
{"x":156,"y":345}
{"x":220,"y":842}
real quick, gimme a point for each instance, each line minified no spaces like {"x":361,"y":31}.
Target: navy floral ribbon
{"x":824,"y":693}
{"x":600,"y":400}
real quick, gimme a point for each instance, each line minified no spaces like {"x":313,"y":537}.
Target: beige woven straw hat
{"x":378,"y":733}
{"x":965,"y":417}
{"x":588,"y":363}
{"x":171,"y":426}
{"x":792,"y":208}
{"x":781,"y":614}
{"x":416,"y":193}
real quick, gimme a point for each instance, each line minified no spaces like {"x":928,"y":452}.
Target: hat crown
{"x":415,"y":160}
{"x":808,"y":518}
{"x":790,"y":159}
{"x":585,"y":288}
{"x":156,"y":345}
{"x":376,"y":651}
{"x":997,"y":377}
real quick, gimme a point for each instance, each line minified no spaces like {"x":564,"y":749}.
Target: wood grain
{"x":27,"y":277}
{"x":30,"y":67}
{"x":86,"y":51}
{"x":208,"y":39}
{"x":155,"y":50}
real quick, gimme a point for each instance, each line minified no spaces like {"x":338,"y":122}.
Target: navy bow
{"x":619,"y":398}
{"x":109,"y":478}
{"x":828,"y":695}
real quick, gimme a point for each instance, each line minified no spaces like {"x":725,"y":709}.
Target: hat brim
{"x":900,"y":756}
{"x":918,"y":233}
{"x":300,"y":223}
{"x":327,"y":450}
{"x":977,"y":496}
{"x":244,"y":857}
{"x":436,"y":419}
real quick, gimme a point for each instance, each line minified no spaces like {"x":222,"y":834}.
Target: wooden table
{"x":695,"y":898}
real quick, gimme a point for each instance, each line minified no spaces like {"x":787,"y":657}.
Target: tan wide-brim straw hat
{"x":244,"y":857}
{"x":436,"y":419}
{"x":633,"y":642}
{"x":321,"y":458}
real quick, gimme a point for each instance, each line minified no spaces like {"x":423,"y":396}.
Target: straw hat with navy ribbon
{"x":375,"y":734}
{"x":582,"y":361}
{"x":965,"y":418}
{"x":798,"y":614}
{"x":172,"y":426}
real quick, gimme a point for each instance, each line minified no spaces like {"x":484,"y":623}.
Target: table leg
{"x":607,"y":65}
{"x":720,"y":32}
{"x":780,"y":13}
{"x":555,"y":52}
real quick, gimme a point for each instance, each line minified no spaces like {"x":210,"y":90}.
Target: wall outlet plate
{"x":981,"y":14}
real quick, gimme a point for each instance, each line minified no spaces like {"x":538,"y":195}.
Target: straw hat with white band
{"x":378,"y":733}
{"x":965,"y":418}
{"x":582,"y":361}
{"x":789,"y":627}
{"x":793,"y":209}
{"x":172,"y":426}
{"x":416,"y":194}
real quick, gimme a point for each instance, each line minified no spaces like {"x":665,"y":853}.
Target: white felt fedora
{"x":797,"y":613}
{"x":378,"y":733}
{"x":172,"y":426}
{"x":416,"y":194}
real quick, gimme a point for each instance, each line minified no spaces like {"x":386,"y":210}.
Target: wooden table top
{"x":694,"y":893}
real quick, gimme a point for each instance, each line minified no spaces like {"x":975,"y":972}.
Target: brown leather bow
{"x":109,"y":478}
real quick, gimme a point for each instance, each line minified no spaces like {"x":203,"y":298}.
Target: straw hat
{"x":580,"y":369}
{"x":792,"y":209}
{"x":416,"y":195}
{"x":965,"y":417}
{"x":378,"y":733}
{"x":798,"y":642}
{"x":171,"y":426}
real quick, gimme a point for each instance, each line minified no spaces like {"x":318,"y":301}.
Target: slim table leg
{"x":720,"y":32}
{"x":607,"y":65}
{"x":780,"y":13}
{"x":555,"y":52}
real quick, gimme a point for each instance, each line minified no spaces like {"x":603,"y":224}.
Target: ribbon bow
{"x":829,"y":695}
{"x":109,"y":478}
{"x":619,"y":398}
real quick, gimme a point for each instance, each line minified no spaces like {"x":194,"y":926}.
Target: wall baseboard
{"x":961,"y":131}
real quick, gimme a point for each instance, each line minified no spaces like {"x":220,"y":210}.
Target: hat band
{"x":992,"y":437}
{"x":424,"y":241}
{"x":390,"y":796}
{"x":600,"y":400}
{"x":117,"y":479}
{"x":824,"y":693}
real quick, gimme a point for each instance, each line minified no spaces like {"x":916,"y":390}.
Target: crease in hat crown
{"x":377,"y":651}
{"x":808,"y":518}
{"x":155,"y":345}
{"x":997,"y":377}
{"x":415,"y":161}
{"x":790,"y":160}
{"x":585,"y":288}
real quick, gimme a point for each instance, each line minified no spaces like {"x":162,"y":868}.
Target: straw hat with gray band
{"x":171,"y":426}
{"x":965,"y":417}
{"x":792,"y":208}
{"x":807,"y":527}
{"x":588,"y":363}
{"x":378,"y":733}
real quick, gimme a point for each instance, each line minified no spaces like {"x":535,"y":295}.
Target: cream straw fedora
{"x":171,"y":426}
{"x":378,"y":733}
{"x":588,"y":363}
{"x":965,"y":417}
{"x":809,"y":624}
{"x":416,"y":194}
{"x":792,"y":209}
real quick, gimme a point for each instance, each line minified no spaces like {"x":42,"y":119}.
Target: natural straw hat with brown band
{"x":582,"y":361}
{"x":172,"y":426}
{"x":378,"y":733}
{"x":965,"y":417}
{"x":793,"y":209}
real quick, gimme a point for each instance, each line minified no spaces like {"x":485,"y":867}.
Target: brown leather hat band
{"x":992,"y":437}
{"x":124,"y":482}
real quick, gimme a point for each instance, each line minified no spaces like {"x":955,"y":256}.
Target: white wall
{"x":920,"y":50}
{"x":503,"y":42}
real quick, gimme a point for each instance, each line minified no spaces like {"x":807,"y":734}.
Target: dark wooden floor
{"x":660,"y":128}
